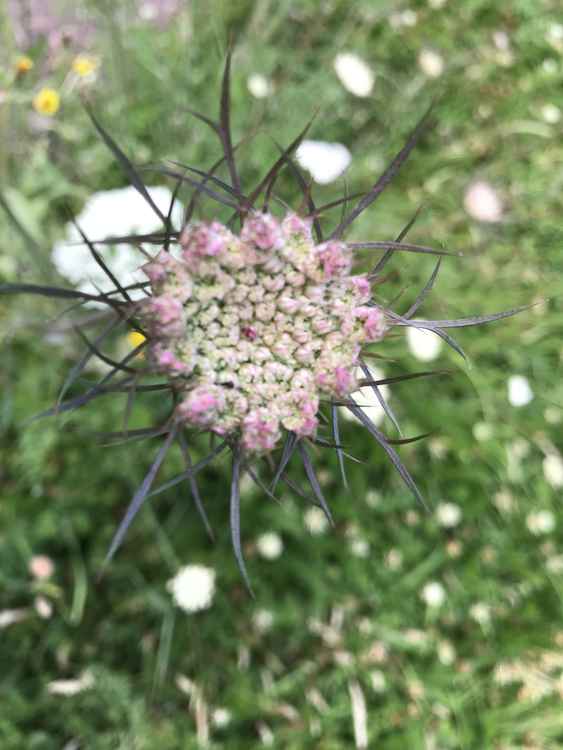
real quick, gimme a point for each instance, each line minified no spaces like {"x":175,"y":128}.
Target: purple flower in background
{"x":62,"y":22}
{"x":58,"y":21}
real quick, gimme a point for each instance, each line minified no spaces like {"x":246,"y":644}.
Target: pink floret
{"x":335,"y":258}
{"x":344,"y":380}
{"x":204,"y":240}
{"x":374,"y":322}
{"x":202,"y":405}
{"x":263,"y":231}
{"x":361,"y":286}
{"x":260,"y":432}
{"x":165,"y":309}
{"x":156,"y":271}
{"x":295,"y":225}
{"x":309,"y":421}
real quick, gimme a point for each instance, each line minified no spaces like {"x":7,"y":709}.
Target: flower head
{"x":84,"y":65}
{"x":23,"y":65}
{"x":354,"y":74}
{"x":325,"y":161}
{"x":47,"y":102}
{"x":259,"y":329}
{"x":288,"y":326}
{"x":193,"y":587}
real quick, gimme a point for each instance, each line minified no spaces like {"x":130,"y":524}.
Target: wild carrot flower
{"x":47,"y":102}
{"x":256,"y":329}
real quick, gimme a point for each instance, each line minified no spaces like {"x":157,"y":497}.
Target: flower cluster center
{"x":255,"y":328}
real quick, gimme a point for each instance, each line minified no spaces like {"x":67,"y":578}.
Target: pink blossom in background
{"x":482,"y":202}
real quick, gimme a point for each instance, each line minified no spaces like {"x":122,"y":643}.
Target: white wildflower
{"x":553,"y":415}
{"x":221,"y":717}
{"x":553,"y":470}
{"x":408,"y":18}
{"x":71,"y":687}
{"x":482,"y":202}
{"x":438,"y":447}
{"x":354,"y":74}
{"x":373,"y":499}
{"x":423,"y":345}
{"x":483,"y":431}
{"x":111,"y":213}
{"x":434,"y":594}
{"x":554,"y":36}
{"x":431,"y":63}
{"x":315,"y":521}
{"x":551,"y":113}
{"x":193,"y":587}
{"x":446,"y":653}
{"x":367,"y":401}
{"x":359,"y":547}
{"x":549,"y":66}
{"x":448,"y":515}
{"x":481,"y":613}
{"x":325,"y":161}
{"x":269,"y":545}
{"x":43,"y":607}
{"x":259,"y":86}
{"x":501,"y":41}
{"x":540,"y":522}
{"x":263,"y":619}
{"x":519,"y":391}
{"x":378,"y":681}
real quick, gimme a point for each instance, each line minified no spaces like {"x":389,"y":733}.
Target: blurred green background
{"x":424,"y":630}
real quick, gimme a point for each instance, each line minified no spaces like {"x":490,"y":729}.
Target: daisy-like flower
{"x":325,"y":161}
{"x":519,"y":391}
{"x":448,"y":515}
{"x":71,"y":687}
{"x":47,"y":102}
{"x":423,"y":345}
{"x":255,"y":329}
{"x":193,"y":587}
{"x":354,"y":74}
{"x":431,"y":63}
{"x":259,"y":86}
{"x":23,"y":65}
{"x":269,"y":546}
{"x":84,"y":66}
{"x":553,"y":470}
{"x":482,"y":202}
{"x":541,"y":522}
{"x":433,"y":594}
{"x":107,"y":214}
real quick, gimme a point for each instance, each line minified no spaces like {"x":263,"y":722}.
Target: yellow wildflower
{"x":23,"y":64}
{"x":135,"y":338}
{"x":47,"y":102}
{"x":84,"y":66}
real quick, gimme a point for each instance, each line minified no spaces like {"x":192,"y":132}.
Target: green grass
{"x":336,"y":617}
